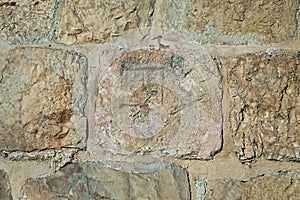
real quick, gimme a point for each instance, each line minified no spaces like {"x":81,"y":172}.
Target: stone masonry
{"x":149,"y":99}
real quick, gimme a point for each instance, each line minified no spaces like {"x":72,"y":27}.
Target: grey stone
{"x":27,"y":21}
{"x":98,"y":181}
{"x":5,"y":191}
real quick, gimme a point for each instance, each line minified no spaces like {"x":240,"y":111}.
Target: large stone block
{"x":270,"y":186}
{"x":97,"y":21}
{"x":265,"y":105}
{"x":42,"y":97}
{"x":27,"y":21}
{"x":5,"y":191}
{"x":234,"y":21}
{"x":163,"y":102}
{"x":98,"y":181}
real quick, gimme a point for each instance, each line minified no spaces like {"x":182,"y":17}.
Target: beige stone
{"x":272,"y":187}
{"x":5,"y":191}
{"x":42,"y":98}
{"x":264,"y":102}
{"x":98,"y":21}
{"x":98,"y":181}
{"x":234,"y":21}
{"x":275,"y":186}
{"x":162,"y":102}
{"x":27,"y":21}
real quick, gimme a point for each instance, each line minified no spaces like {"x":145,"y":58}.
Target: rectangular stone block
{"x":264,"y":104}
{"x":267,"y":186}
{"x":163,"y":103}
{"x":234,"y":21}
{"x":99,"y":181}
{"x":27,"y":21}
{"x":97,"y":21}
{"x":42,"y":97}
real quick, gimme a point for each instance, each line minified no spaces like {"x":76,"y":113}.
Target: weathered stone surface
{"x":159,"y":102}
{"x":265,"y":105}
{"x":272,"y":186}
{"x":227,"y":189}
{"x":42,"y":97}
{"x":97,"y":21}
{"x":97,"y":181}
{"x":5,"y":192}
{"x":234,"y":21}
{"x":27,"y":21}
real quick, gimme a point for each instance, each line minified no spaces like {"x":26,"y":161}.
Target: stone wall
{"x":150,"y":99}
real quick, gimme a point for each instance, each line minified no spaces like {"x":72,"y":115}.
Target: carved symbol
{"x":157,"y":101}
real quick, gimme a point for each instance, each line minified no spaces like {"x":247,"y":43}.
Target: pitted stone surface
{"x":265,"y":105}
{"x":98,"y":181}
{"x":27,"y":21}
{"x":269,"y":186}
{"x":98,"y":21}
{"x":158,"y":102}
{"x":5,"y":191}
{"x":42,"y":97}
{"x":234,"y":21}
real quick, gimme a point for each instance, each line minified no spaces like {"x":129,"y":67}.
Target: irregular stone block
{"x":27,"y":21}
{"x":271,"y":186}
{"x":98,"y":181}
{"x":234,"y":21}
{"x":264,"y":105}
{"x":5,"y":191}
{"x":164,"y":102}
{"x":97,"y":21}
{"x":42,"y":97}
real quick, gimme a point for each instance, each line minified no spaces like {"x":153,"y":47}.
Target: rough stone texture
{"x":42,"y":98}
{"x":201,"y":189}
{"x":158,"y":102}
{"x":265,"y":105}
{"x":227,"y":189}
{"x":97,"y":181}
{"x":5,"y":192}
{"x":27,"y":21}
{"x":97,"y":21}
{"x":272,"y":186}
{"x":234,"y":21}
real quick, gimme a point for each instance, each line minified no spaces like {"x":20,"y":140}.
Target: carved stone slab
{"x":156,"y":94}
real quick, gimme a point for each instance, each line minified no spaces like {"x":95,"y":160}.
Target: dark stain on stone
{"x":8,"y":4}
{"x":61,"y":117}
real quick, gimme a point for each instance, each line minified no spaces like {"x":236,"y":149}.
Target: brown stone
{"x":97,"y":181}
{"x":42,"y":96}
{"x":27,"y":21}
{"x":264,"y":105}
{"x":275,"y":186}
{"x":5,"y":191}
{"x":272,"y":187}
{"x":234,"y":21}
{"x":98,"y":21}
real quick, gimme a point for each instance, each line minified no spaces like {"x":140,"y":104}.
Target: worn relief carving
{"x":155,"y":95}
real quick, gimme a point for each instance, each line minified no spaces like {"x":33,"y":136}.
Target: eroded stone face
{"x":164,"y":102}
{"x":97,"y":21}
{"x":27,"y":21}
{"x":98,"y":181}
{"x":276,"y":185}
{"x":42,"y":97}
{"x":235,"y":21}
{"x":264,"y":97}
{"x":5,"y":191}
